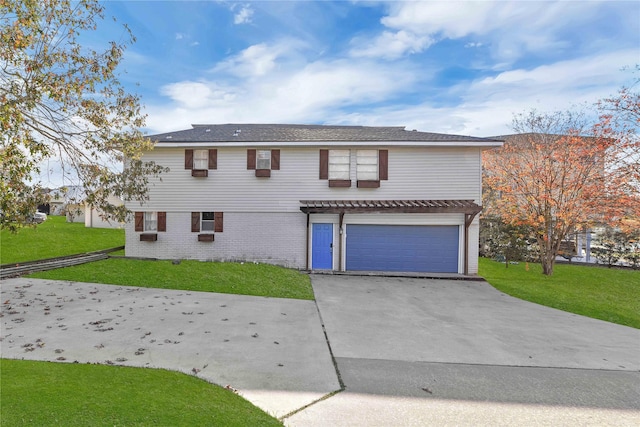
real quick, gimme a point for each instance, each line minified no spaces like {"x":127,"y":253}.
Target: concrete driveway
{"x":404,"y":352}
{"x":272,"y":350}
{"x":445,"y":352}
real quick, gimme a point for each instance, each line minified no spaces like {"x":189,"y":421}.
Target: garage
{"x":432,"y":249}
{"x":402,"y":244}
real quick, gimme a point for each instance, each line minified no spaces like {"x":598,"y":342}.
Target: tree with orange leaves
{"x":558,"y":173}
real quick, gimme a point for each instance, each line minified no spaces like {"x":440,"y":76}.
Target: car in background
{"x":39,"y":217}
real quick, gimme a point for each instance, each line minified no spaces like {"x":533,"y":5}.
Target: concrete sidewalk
{"x":272,"y":350}
{"x":383,"y":393}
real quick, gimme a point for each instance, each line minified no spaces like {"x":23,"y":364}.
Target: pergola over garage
{"x":341,"y":207}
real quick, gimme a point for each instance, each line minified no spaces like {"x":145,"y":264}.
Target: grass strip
{"x":60,"y":394}
{"x":224,"y":277}
{"x":602,"y":293}
{"x":54,"y":238}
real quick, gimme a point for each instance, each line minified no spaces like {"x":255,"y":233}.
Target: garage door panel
{"x":402,"y":248}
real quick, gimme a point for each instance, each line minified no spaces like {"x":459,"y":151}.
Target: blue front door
{"x":322,"y":247}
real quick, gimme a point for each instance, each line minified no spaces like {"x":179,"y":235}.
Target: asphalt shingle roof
{"x":303,"y":133}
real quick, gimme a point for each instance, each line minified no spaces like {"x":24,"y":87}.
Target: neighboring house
{"x":314,"y":197}
{"x":70,"y":201}
{"x":67,"y":201}
{"x":93,"y":217}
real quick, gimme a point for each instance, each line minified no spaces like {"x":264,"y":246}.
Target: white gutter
{"x":165,"y":143}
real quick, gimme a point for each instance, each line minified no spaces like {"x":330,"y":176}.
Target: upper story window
{"x":371,"y":167}
{"x":339,"y":164}
{"x":367,"y":165}
{"x":263,"y":161}
{"x":200,"y":161}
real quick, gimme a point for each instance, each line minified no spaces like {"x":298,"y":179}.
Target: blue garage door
{"x":432,"y":249}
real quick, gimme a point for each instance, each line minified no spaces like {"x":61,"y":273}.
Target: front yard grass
{"x":224,"y":277}
{"x":602,"y":293}
{"x":63,"y":394}
{"x":54,"y":238}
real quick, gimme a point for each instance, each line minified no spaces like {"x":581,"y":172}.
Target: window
{"x":150,"y":221}
{"x":200,"y":159}
{"x":208,"y":221}
{"x":264,"y":159}
{"x":263,"y":162}
{"x":372,"y":166}
{"x":367,"y":165}
{"x":339,"y":162}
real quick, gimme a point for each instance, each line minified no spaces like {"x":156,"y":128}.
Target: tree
{"x":620,"y":121}
{"x":555,"y":174}
{"x":504,"y":241}
{"x":61,"y":100}
{"x":612,"y":245}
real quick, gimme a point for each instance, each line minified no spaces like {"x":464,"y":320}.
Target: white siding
{"x":262,"y":217}
{"x":414,"y":173}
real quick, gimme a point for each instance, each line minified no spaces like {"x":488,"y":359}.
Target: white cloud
{"x":452,"y":19}
{"x":304,"y":94}
{"x":244,"y":16}
{"x":195,"y":95}
{"x":487,"y":105}
{"x":260,"y":59}
{"x":510,"y":29}
{"x":358,"y":92}
{"x":255,"y":60}
{"x":391,"y":45}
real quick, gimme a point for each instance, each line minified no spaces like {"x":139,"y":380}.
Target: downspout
{"x":340,"y":241}
{"x":307,"y":258}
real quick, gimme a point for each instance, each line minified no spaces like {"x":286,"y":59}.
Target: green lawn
{"x":62,"y":394}
{"x":55,"y":237}
{"x":602,"y":293}
{"x":224,"y":277}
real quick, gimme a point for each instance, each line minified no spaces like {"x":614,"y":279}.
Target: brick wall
{"x":273,"y":238}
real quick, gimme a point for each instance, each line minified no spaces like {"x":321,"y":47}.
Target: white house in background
{"x":314,"y":197}
{"x":70,"y":201}
{"x":93,"y":217}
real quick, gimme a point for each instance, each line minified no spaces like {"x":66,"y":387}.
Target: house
{"x":70,"y":201}
{"x":94,"y":217}
{"x":314,"y":197}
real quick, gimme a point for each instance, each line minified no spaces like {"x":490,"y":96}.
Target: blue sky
{"x":451,"y":67}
